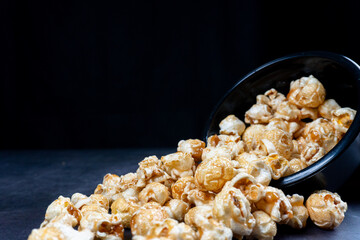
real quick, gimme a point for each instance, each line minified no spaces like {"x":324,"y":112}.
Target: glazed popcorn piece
{"x":258,"y":113}
{"x":276,"y":204}
{"x":326,"y":209}
{"x":150,"y":170}
{"x":278,"y":165}
{"x":288,"y":112}
{"x":61,"y":232}
{"x":306,"y":92}
{"x":125,"y":209}
{"x":143,"y":220}
{"x":277,"y":141}
{"x":177,"y":209}
{"x":231,"y":125}
{"x":213,"y":174}
{"x":265,"y":228}
{"x":154,"y":192}
{"x":300,"y":213}
{"x":201,"y":218}
{"x":342,"y":118}
{"x":179,"y":164}
{"x":233,"y":209}
{"x":79,"y":200}
{"x":311,"y":153}
{"x":192,"y":146}
{"x":327,"y":107}
{"x":181,"y":188}
{"x":295,"y":165}
{"x":322,"y":132}
{"x":199,"y":198}
{"x":62,"y":210}
{"x":171,"y":229}
{"x":252,"y":136}
{"x":110,"y":186}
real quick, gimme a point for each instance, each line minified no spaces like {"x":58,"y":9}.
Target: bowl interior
{"x":339,"y":75}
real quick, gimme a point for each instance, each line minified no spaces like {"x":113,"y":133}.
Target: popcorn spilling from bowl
{"x":218,"y":190}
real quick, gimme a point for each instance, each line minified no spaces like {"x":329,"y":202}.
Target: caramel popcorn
{"x":219,"y":189}
{"x":326,"y":209}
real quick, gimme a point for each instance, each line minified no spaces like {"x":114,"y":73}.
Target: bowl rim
{"x":339,"y":148}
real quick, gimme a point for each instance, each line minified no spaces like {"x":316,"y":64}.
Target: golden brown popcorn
{"x":277,"y":164}
{"x":342,"y":118}
{"x":258,"y":113}
{"x":265,"y":228}
{"x":127,"y":181}
{"x":231,"y":125}
{"x":327,"y":107}
{"x":295,"y":165}
{"x":300,"y":213}
{"x":311,"y":153}
{"x":213,"y":174}
{"x":151,"y":170}
{"x":144,"y":219}
{"x":64,"y":208}
{"x":201,"y":218}
{"x":322,"y":132}
{"x":306,"y":92}
{"x":233,"y":209}
{"x":218,"y":152}
{"x":79,"y":200}
{"x":154,"y":192}
{"x":177,"y":209}
{"x":97,"y":220}
{"x":276,"y":204}
{"x":125,"y":209}
{"x":110,"y":187}
{"x":59,"y":231}
{"x":311,"y":113}
{"x":277,"y":141}
{"x":181,"y":188}
{"x":253,"y":135}
{"x":179,"y":164}
{"x":171,"y":229}
{"x":326,"y":209}
{"x":198,"y":198}
{"x":192,"y":146}
{"x":255,"y":166}
{"x":287,"y":111}
{"x":275,"y":98}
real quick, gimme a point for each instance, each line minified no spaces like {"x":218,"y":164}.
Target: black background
{"x":113,"y":74}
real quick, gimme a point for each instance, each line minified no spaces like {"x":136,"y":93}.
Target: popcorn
{"x":179,"y":164}
{"x":258,"y":113}
{"x":231,"y":125}
{"x":342,"y":118}
{"x":300,"y":213}
{"x":154,"y":192}
{"x":192,"y":146}
{"x":325,"y":109}
{"x":265,"y":227}
{"x":322,"y":132}
{"x":201,"y":218}
{"x":233,"y":209}
{"x":218,"y":190}
{"x":213,"y":174}
{"x":146,"y":217}
{"x":306,"y":92}
{"x":326,"y":209}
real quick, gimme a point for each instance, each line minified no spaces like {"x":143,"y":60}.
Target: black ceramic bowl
{"x":341,"y":79}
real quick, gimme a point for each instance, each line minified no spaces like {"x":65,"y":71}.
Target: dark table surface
{"x":31,"y":180}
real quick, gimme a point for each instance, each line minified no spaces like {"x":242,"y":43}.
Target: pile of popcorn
{"x":219,"y":190}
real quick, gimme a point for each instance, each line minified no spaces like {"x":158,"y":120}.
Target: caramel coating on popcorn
{"x":213,"y":174}
{"x":154,"y":192}
{"x":326,"y":108}
{"x":177,"y":209}
{"x":181,"y":188}
{"x":231,"y":125}
{"x":192,"y":146}
{"x":342,"y":118}
{"x":252,"y":136}
{"x":278,"y":165}
{"x":306,"y":92}
{"x":277,"y":141}
{"x":233,"y":209}
{"x":300,"y":212}
{"x":258,"y":113}
{"x":150,"y":170}
{"x":144,"y":219}
{"x":326,"y":209}
{"x":265,"y":228}
{"x":125,"y":209}
{"x":179,"y":164}
{"x":59,"y":231}
{"x":110,"y":187}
